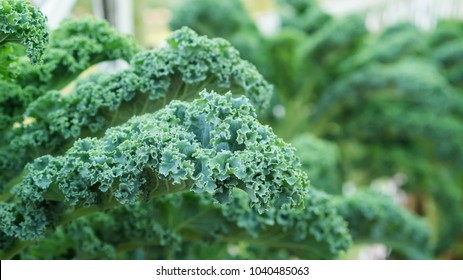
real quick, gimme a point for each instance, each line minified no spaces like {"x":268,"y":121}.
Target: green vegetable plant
{"x":233,"y":148}
{"x":370,"y":105}
{"x":159,"y":160}
{"x":181,"y":155}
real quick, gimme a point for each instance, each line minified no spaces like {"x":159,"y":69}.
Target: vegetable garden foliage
{"x":178,"y":71}
{"x":373,"y":216}
{"x":22,"y":25}
{"x":73,"y":48}
{"x":448,"y":52}
{"x":320,"y":159}
{"x":145,"y":163}
{"x":391,"y":102}
{"x":167,"y":158}
{"x":192,"y":226}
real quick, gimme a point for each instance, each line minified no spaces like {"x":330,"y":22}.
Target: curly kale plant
{"x":190,"y":226}
{"x":149,"y":144}
{"x":74,"y":47}
{"x":168,"y":159}
{"x":390,"y":102}
{"x":22,"y":31}
{"x":178,"y":71}
{"x":210,"y":145}
{"x":22,"y":24}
